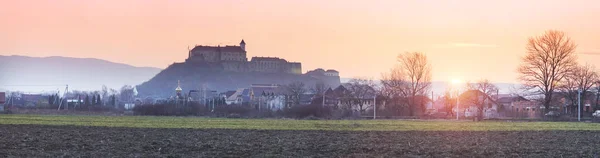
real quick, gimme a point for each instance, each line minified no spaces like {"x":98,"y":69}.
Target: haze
{"x":466,"y":40}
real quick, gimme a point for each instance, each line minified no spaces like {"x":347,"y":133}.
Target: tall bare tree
{"x":480,"y":93}
{"x":583,"y":77}
{"x":361,"y":90}
{"x":393,"y":87}
{"x":393,"y":84}
{"x":548,"y":60}
{"x":295,"y":90}
{"x":126,"y":94}
{"x":417,"y":71}
{"x":319,"y":88}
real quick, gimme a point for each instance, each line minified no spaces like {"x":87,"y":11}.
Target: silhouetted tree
{"x":394,"y":87}
{"x":361,"y":90}
{"x":98,"y":100}
{"x":548,"y":60}
{"x":113,"y":100}
{"x":51,"y":99}
{"x":93,"y":102}
{"x":319,"y":88}
{"x":417,"y":71}
{"x":87,"y":100}
{"x":294,"y":90}
{"x":481,"y":95}
{"x":583,"y":77}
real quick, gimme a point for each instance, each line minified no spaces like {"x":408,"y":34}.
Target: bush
{"x":169,"y":109}
{"x":226,"y":110}
{"x":311,"y":117}
{"x":304,"y":111}
{"x":234,"y":116}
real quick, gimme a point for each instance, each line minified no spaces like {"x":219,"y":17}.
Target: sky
{"x":464,"y":39}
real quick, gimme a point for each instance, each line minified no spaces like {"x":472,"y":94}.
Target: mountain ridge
{"x":45,"y":74}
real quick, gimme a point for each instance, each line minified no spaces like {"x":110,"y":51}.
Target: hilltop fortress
{"x":224,"y":68}
{"x":233,"y":58}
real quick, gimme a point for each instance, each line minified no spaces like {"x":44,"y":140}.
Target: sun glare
{"x":456,"y":81}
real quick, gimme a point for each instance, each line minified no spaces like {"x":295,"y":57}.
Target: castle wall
{"x":233,"y":56}
{"x":236,"y":66}
{"x":268,"y":66}
{"x":208,"y":56}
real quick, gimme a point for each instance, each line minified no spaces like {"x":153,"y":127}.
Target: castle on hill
{"x":224,"y":68}
{"x":233,"y":58}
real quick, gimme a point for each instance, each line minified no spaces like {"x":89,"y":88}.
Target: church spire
{"x":178,"y":89}
{"x":243,"y":45}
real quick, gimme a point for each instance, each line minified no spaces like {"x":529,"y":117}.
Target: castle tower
{"x":178,"y":89}
{"x":243,"y":45}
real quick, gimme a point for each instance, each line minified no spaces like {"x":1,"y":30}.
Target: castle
{"x":233,"y":58}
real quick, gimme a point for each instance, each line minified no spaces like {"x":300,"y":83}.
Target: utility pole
{"x":457,"y":103}
{"x":578,"y":105}
{"x":63,"y":98}
{"x":375,"y":107}
{"x":323,"y":104}
{"x":597,"y":96}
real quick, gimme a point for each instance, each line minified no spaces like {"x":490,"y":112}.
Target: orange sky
{"x":464,"y":39}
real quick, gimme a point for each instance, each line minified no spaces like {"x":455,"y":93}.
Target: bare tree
{"x":479,"y":94}
{"x":394,"y":87}
{"x":104,"y":94}
{"x":548,"y":60}
{"x":126,"y":94}
{"x":295,"y":89}
{"x":319,"y":88}
{"x":361,"y":90}
{"x":417,"y":71}
{"x":449,"y":102}
{"x":581,"y":78}
{"x":393,"y":84}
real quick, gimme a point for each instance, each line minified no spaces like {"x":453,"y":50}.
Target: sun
{"x":456,"y":81}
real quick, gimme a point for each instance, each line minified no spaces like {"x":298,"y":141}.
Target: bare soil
{"x":78,"y":141}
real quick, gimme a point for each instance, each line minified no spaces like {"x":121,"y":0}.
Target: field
{"x":137,"y":136}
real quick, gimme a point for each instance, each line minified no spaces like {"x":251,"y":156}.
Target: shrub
{"x":303,"y":111}
{"x":311,"y":117}
{"x":169,"y":109}
{"x":226,"y":110}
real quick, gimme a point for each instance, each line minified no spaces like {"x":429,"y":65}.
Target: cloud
{"x":473,"y":45}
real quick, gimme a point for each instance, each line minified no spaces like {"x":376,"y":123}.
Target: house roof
{"x":471,"y":93}
{"x":511,"y":99}
{"x":242,"y":42}
{"x":260,"y":89}
{"x":228,"y":93}
{"x":244,"y":93}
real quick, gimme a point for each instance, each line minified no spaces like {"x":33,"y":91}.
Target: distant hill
{"x":193,"y":76}
{"x":44,"y":74}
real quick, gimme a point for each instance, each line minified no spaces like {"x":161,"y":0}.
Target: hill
{"x":43,"y":74}
{"x":194,"y":76}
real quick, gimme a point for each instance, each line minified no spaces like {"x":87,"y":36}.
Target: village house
{"x":518,"y":106}
{"x":470,"y":100}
